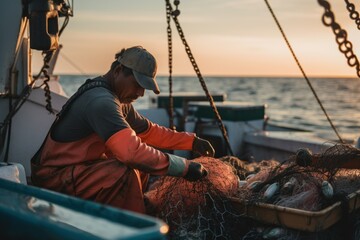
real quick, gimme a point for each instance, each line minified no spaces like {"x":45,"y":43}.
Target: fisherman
{"x":100,"y":148}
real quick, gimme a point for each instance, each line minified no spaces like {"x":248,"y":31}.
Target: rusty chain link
{"x":354,"y":15}
{"x":171,"y":99}
{"x":345,"y":46}
{"x":201,"y":79}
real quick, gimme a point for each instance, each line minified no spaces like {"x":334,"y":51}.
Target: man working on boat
{"x":100,"y":148}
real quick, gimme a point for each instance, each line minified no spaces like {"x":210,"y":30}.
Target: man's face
{"x":127,"y":88}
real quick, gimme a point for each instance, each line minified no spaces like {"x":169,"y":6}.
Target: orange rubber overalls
{"x":112,"y":172}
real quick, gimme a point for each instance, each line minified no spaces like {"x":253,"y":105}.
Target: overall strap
{"x":89,"y":84}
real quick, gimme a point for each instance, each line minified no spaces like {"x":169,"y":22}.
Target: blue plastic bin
{"x":28,"y":212}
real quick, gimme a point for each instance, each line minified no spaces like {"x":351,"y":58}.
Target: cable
{"x":303,"y":72}
{"x":72,"y":63}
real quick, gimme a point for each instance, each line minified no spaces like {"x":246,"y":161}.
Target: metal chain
{"x":354,"y":15}
{"x":201,"y":79}
{"x":345,"y":46}
{"x":47,"y":57}
{"x":171,"y":99}
{"x":303,"y":72}
{"x":67,"y":11}
{"x":176,"y":12}
{"x":46,"y":82}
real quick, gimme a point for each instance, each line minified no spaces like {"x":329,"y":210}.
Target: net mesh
{"x":205,"y":209}
{"x":197,"y":210}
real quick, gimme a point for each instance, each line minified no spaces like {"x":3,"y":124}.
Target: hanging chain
{"x":201,"y":79}
{"x":303,"y":72}
{"x":47,"y":92}
{"x":46,"y":59}
{"x":171,"y":99}
{"x":345,"y":46}
{"x":354,"y":15}
{"x":176,"y":12}
{"x":66,"y":10}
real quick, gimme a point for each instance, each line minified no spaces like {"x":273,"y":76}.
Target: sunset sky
{"x":227,"y":37}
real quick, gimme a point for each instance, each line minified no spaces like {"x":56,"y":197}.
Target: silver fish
{"x":271,"y":191}
{"x":242,"y":183}
{"x":327,"y":190}
{"x":250,"y":176}
{"x":289,"y":186}
{"x":274,"y":233}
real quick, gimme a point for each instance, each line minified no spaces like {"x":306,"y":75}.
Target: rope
{"x":171,"y":99}
{"x":303,"y":72}
{"x":73,"y":64}
{"x":201,"y":79}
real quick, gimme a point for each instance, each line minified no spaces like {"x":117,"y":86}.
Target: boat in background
{"x":25,"y":121}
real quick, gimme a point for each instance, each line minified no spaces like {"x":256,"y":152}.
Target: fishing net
{"x":205,"y":209}
{"x":305,"y":187}
{"x":197,"y":210}
{"x":302,"y":187}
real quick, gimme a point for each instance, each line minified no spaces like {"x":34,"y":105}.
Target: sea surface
{"x":289,"y":101}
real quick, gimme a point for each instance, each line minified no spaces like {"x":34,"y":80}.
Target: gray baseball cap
{"x":143,"y":65}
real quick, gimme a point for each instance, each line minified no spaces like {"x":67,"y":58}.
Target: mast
{"x":14,"y":63}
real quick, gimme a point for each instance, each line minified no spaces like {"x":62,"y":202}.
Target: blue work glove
{"x":195,"y":172}
{"x":203,"y":147}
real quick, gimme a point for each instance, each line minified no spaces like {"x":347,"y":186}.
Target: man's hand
{"x":196,"y":172}
{"x":203,"y":147}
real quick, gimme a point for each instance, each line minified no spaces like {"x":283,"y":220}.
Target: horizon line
{"x":231,"y":76}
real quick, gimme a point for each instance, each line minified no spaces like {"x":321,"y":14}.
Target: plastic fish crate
{"x":28,"y":212}
{"x":309,"y":221}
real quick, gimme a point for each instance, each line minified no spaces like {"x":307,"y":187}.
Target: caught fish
{"x":250,"y":176}
{"x":242,"y":183}
{"x":271,"y":191}
{"x":327,"y":190}
{"x":274,"y":233}
{"x":289,"y":186}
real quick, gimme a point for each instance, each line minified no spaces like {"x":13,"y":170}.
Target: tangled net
{"x":205,"y":209}
{"x":197,"y":210}
{"x":306,"y":191}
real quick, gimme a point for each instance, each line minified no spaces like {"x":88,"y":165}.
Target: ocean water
{"x":289,"y":101}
